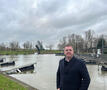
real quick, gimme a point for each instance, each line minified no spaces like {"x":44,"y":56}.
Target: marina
{"x":44,"y":75}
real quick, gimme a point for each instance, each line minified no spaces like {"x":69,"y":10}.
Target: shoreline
{"x":20,"y":82}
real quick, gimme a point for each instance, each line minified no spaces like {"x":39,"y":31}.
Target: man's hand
{"x":58,"y":89}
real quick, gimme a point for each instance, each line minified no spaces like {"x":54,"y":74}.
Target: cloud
{"x":50,"y":20}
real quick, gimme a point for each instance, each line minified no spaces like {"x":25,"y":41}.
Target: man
{"x":72,"y":73}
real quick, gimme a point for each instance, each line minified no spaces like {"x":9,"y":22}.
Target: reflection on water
{"x":44,"y":76}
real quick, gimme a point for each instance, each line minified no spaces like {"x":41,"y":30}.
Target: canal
{"x":44,"y":75}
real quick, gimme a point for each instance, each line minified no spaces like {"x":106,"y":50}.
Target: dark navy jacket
{"x":74,"y":77}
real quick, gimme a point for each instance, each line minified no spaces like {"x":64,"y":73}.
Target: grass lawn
{"x":16,"y":52}
{"x":8,"y":84}
{"x":25,"y":52}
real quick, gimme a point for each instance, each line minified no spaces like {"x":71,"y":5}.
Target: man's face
{"x":68,"y":51}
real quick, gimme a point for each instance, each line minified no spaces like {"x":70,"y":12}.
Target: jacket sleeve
{"x":85,"y":77}
{"x":58,"y":77}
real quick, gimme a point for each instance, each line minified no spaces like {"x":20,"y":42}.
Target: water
{"x":44,"y":76}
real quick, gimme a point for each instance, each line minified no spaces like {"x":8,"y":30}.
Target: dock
{"x":20,"y":69}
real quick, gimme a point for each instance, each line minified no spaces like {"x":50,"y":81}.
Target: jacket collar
{"x":71,"y":62}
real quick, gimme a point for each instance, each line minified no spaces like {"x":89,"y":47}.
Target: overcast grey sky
{"x":50,"y":20}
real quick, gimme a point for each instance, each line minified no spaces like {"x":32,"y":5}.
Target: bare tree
{"x":49,"y":46}
{"x":89,"y":39}
{"x":27,"y":45}
{"x":14,"y":45}
{"x":79,"y":43}
{"x":62,"y":43}
{"x":75,"y":40}
{"x":72,"y":40}
{"x":2,"y":46}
